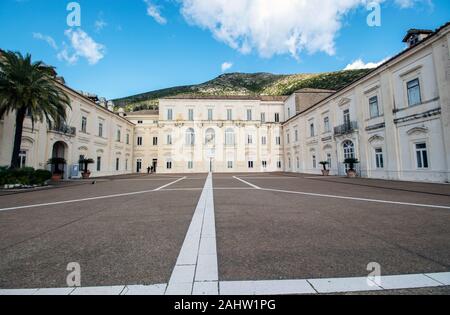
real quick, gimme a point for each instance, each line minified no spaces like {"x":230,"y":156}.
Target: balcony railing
{"x":64,"y":129}
{"x":346,"y":128}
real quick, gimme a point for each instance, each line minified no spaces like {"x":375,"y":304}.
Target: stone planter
{"x":351,"y":174}
{"x":325,"y":172}
{"x":86,"y":175}
{"x":56,"y":177}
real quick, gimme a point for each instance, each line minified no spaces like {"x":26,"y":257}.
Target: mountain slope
{"x":246,"y":84}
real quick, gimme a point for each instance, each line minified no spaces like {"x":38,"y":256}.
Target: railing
{"x":346,"y":128}
{"x":64,"y":129}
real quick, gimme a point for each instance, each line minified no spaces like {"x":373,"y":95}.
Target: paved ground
{"x":130,"y":229}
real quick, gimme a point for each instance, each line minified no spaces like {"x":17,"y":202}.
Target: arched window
{"x":349,"y":149}
{"x":210,"y":137}
{"x":229,"y":136}
{"x":190,"y":137}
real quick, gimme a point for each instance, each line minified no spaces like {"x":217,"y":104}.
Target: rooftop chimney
{"x":415,"y":36}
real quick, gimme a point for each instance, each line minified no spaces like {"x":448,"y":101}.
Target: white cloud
{"x":360,"y":64}
{"x":81,"y":45}
{"x":154,"y":11}
{"x":274,"y":27}
{"x":226,"y":66}
{"x":48,"y":39}
{"x":100,"y":24}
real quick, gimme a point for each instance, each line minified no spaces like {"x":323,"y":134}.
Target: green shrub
{"x":23,"y":176}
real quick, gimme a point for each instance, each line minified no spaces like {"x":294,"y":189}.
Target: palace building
{"x":395,"y":121}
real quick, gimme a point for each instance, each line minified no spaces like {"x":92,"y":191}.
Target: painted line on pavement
{"x":196,"y":269}
{"x":247,"y":183}
{"x":91,"y":198}
{"x":265,"y":287}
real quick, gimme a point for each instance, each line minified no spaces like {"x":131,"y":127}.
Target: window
{"x":279,"y":164}
{"x":100,"y":129}
{"x":126,"y":164}
{"x":346,"y":114}
{"x":249,"y":139}
{"x":329,"y":159}
{"x":422,"y":155}
{"x":117,"y":164}
{"x":278,"y":140}
{"x":229,"y":114}
{"x":298,"y":163}
{"x":288,"y":138}
{"x":191,"y":115}
{"x":250,"y":164}
{"x":289,"y":112}
{"x":81,"y":165}
{"x":230,"y":164}
{"x":314,"y":161}
{"x":379,"y":159}
{"x":326,"y":124}
{"x":190,"y":165}
{"x":169,"y":139}
{"x":413,"y":88}
{"x":128,"y":138}
{"x":138,"y":165}
{"x":373,"y":107}
{"x":264,"y":140}
{"x":289,"y":163}
{"x":22,"y":158}
{"x":84,"y":124}
{"x":263,"y":117}
{"x":118,"y":137}
{"x":170,"y":114}
{"x":229,"y":137}
{"x":311,"y":130}
{"x":99,"y":163}
{"x":277,"y":117}
{"x":249,"y":115}
{"x":296,"y":135}
{"x":155,"y":141}
{"x":169,"y":165}
{"x":190,"y":137}
{"x":139,"y":141}
{"x":264,"y":164}
{"x":349,"y":150}
{"x":210,"y":114}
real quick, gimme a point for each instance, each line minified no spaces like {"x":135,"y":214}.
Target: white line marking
{"x":247,"y":183}
{"x":197,"y":261}
{"x":268,"y":287}
{"x":170,"y":184}
{"x":358,"y":199}
{"x":347,"y":198}
{"x":89,"y":199}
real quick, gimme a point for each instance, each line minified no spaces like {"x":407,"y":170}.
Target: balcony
{"x":346,"y":128}
{"x":64,"y":129}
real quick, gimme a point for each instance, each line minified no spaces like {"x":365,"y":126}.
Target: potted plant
{"x":58,"y":173}
{"x":325,"y":171}
{"x":351,"y":165}
{"x":86,"y":173}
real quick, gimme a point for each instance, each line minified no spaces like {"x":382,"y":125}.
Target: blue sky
{"x":124,"y":47}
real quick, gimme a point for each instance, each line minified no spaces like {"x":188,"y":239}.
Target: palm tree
{"x":29,"y":89}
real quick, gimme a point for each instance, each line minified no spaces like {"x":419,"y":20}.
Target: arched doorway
{"x":59,"y":151}
{"x":349,"y":153}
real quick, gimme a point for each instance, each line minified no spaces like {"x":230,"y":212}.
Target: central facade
{"x":231,"y":134}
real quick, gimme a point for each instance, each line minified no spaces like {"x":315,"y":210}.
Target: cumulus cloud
{"x":154,"y":11}
{"x":360,"y":64}
{"x":81,"y":45}
{"x":48,"y":39}
{"x":274,"y":27}
{"x":226,"y":66}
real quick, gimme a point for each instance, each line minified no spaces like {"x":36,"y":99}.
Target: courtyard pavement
{"x":274,"y":233}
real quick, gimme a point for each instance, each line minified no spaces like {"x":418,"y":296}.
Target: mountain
{"x":246,"y":84}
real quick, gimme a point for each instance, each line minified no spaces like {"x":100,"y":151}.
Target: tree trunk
{"x":20,"y":117}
